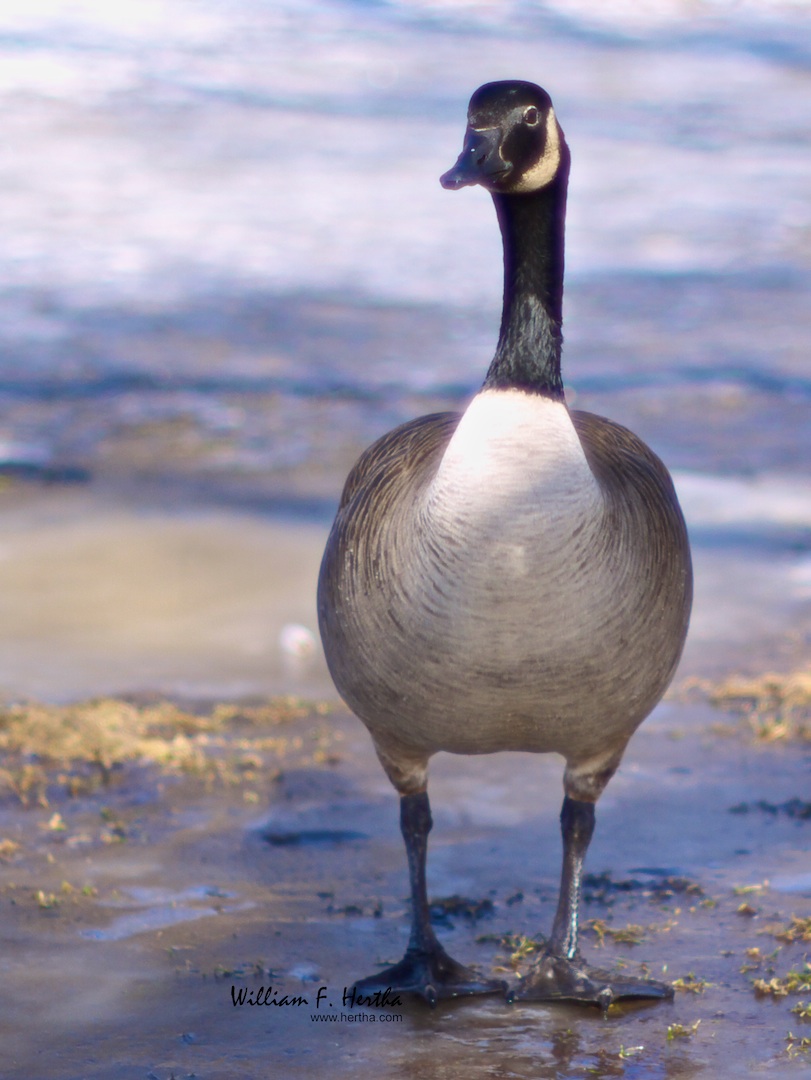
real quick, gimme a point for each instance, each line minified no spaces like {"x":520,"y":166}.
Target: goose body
{"x":495,"y":583}
{"x":514,"y":577}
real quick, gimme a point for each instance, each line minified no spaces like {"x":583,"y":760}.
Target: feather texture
{"x":543,"y":615}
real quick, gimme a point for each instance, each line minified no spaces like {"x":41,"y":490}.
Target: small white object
{"x":296,"y":641}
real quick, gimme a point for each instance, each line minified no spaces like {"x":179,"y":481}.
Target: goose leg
{"x":560,"y":973}
{"x":426,"y":969}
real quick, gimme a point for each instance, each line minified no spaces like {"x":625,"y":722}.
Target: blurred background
{"x":227,"y":265}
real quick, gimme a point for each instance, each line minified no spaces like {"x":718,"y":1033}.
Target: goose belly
{"x":482,"y":644}
{"x":500,"y":601}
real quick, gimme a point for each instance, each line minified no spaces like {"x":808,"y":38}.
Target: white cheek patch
{"x":544,"y":170}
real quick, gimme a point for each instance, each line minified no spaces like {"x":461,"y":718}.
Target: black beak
{"x":479,"y":161}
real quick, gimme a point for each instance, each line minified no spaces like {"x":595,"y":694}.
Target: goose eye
{"x":531,"y":116}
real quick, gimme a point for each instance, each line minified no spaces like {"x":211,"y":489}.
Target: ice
{"x":765,"y":499}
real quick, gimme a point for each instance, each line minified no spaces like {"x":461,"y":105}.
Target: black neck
{"x":528,"y":352}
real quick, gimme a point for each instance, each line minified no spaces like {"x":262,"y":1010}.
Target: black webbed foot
{"x":560,"y":974}
{"x":431,"y":974}
{"x":426,"y":969}
{"x":554,"y":978}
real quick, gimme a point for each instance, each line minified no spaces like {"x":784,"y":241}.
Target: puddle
{"x":155,"y":918}
{"x":193,"y":602}
{"x":158,"y":909}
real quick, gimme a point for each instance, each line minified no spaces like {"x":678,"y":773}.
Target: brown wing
{"x":643,"y":511}
{"x":403,"y":450}
{"x":614,"y":453}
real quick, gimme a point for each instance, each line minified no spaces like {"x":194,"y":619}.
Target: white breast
{"x":513,"y":516}
{"x":514,"y":457}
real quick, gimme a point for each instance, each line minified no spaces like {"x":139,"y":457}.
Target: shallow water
{"x":101,"y":595}
{"x":227,"y":266}
{"x":179,"y":299}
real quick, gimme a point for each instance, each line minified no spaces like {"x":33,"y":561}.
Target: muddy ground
{"x":140,"y":899}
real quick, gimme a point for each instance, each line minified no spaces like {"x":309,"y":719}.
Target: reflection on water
{"x":159,"y":907}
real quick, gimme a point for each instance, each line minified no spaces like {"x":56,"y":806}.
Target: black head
{"x":513,"y":142}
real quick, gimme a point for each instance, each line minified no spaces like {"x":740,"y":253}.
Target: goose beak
{"x":479,"y":162}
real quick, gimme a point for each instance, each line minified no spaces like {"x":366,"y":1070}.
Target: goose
{"x":514,"y":577}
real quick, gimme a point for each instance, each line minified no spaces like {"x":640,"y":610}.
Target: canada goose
{"x":516,"y":577}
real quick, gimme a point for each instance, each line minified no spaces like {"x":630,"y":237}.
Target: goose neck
{"x":529,"y":345}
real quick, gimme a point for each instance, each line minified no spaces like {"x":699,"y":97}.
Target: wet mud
{"x":136,"y":914}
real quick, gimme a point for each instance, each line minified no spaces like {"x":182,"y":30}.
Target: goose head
{"x":513,"y":143}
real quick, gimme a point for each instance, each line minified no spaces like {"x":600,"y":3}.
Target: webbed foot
{"x":432,"y":975}
{"x":554,"y":978}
